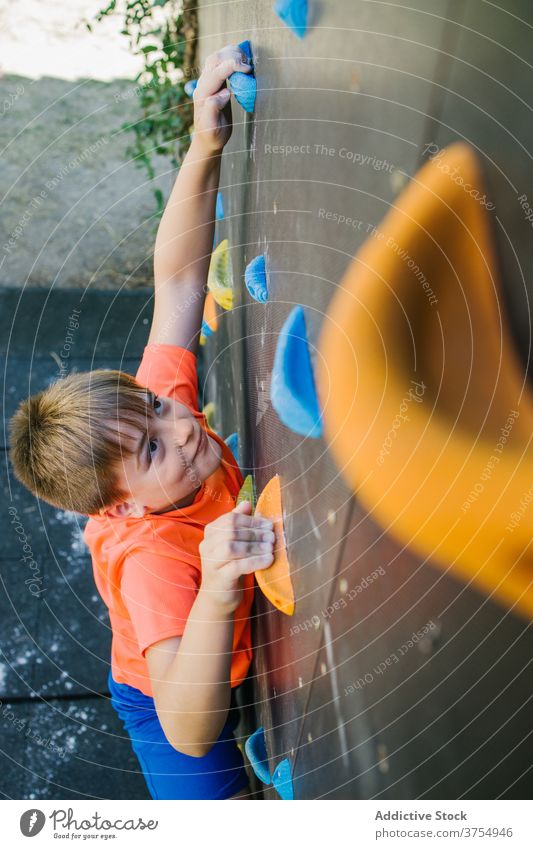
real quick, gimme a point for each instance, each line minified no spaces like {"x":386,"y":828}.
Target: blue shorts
{"x":170,"y":774}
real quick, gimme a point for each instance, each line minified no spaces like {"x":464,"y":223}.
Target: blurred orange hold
{"x":210,"y":312}
{"x":418,"y":325}
{"x":275,"y":582}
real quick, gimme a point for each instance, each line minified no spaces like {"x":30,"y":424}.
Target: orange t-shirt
{"x":148,"y":570}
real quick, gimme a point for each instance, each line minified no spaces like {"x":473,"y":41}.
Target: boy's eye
{"x":157,"y":404}
{"x":152,"y":447}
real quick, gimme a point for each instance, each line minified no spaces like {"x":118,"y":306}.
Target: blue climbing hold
{"x":246,"y":48}
{"x":219,"y":208}
{"x":206,"y":330}
{"x":255,"y":748}
{"x":256,"y":280}
{"x":292,"y":389}
{"x":294,"y":14}
{"x":232,"y":441}
{"x":189,"y":87}
{"x":282,"y":780}
{"x":244,"y":86}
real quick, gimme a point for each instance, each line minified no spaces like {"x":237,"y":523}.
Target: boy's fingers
{"x":226,"y":52}
{"x":212,"y":78}
{"x":230,"y":53}
{"x":239,"y":520}
{"x":253,"y":564}
{"x":218,"y":103}
{"x":233,"y":51}
{"x":213,"y":105}
{"x":243,"y":550}
{"x":222,"y":97}
{"x":253,"y":534}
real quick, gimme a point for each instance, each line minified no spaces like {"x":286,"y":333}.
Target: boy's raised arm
{"x":185,"y":235}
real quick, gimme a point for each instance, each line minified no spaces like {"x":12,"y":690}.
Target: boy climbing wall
{"x":173,"y":557}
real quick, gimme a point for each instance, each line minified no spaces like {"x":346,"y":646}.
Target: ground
{"x":75,"y":211}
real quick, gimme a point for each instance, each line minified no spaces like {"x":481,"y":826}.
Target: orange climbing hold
{"x":275,"y":582}
{"x":210,"y":312}
{"x":418,"y":326}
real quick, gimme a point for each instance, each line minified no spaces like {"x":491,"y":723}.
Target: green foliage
{"x":164,"y":33}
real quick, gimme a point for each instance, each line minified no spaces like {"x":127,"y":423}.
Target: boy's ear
{"x":124,"y":509}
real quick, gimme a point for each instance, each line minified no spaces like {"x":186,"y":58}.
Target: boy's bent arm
{"x":190,"y":677}
{"x":192,"y":689}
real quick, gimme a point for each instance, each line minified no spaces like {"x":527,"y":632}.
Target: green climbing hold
{"x":209,"y":413}
{"x":247,"y":491}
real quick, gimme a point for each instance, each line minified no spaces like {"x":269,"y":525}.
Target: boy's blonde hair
{"x":64,"y":442}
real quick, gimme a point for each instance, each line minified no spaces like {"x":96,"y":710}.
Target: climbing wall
{"x":393,"y":678}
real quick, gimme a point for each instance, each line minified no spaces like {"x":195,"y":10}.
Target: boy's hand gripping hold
{"x":212,"y":109}
{"x":234,"y":545}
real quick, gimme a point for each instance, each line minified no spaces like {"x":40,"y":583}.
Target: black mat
{"x":60,"y":738}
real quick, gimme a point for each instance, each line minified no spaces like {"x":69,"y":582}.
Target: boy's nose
{"x":184,"y":430}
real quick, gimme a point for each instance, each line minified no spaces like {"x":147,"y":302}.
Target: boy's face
{"x":171,"y":460}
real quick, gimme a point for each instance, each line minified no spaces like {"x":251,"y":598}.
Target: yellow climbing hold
{"x":247,"y":491}
{"x":219,"y":280}
{"x":209,"y":413}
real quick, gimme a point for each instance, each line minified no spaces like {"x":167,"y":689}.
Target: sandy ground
{"x":74,"y":211}
{"x":50,"y":39}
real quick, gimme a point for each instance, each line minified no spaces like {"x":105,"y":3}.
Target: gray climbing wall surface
{"x":392,"y":679}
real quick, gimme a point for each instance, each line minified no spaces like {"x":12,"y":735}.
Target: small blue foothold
{"x":219,"y":209}
{"x":189,"y":87}
{"x":244,"y":86}
{"x":282,"y":780}
{"x":292,"y":390}
{"x":256,"y":280}
{"x":206,"y":330}
{"x":232,"y":441}
{"x":294,"y":14}
{"x":255,"y":748}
